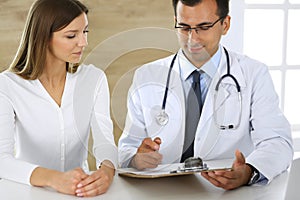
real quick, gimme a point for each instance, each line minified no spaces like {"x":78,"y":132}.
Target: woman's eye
{"x":71,"y":36}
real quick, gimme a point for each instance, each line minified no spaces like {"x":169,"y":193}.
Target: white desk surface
{"x":179,"y":187}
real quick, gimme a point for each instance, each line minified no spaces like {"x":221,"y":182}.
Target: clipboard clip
{"x":191,"y":164}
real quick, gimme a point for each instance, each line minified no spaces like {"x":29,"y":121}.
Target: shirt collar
{"x":210,"y":67}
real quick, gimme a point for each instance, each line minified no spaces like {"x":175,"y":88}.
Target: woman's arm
{"x":104,"y":148}
{"x":64,"y":182}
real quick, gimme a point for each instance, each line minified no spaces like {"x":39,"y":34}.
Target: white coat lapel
{"x":207,"y":132}
{"x":177,"y":87}
{"x":175,"y":91}
{"x":208,"y":107}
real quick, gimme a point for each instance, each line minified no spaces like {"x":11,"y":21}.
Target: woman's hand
{"x":64,"y":182}
{"x":98,"y":182}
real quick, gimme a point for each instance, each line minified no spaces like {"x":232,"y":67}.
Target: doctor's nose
{"x":193,"y":35}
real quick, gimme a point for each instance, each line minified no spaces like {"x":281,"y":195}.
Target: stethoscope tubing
{"x":163,"y":114}
{"x":163,"y":107}
{"x":228,"y":74}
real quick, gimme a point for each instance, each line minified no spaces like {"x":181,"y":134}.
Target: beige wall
{"x":107,"y":18}
{"x":118,"y":40}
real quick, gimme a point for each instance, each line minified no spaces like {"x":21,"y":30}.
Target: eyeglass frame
{"x":200,"y":27}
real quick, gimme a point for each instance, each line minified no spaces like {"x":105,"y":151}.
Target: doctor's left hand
{"x":98,"y":182}
{"x":228,"y":180}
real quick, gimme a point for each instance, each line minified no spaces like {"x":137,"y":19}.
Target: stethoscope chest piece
{"x":162,"y":118}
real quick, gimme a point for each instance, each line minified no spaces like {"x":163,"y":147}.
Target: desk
{"x":180,"y":187}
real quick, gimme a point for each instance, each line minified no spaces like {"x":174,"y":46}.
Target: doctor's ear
{"x":226,"y":24}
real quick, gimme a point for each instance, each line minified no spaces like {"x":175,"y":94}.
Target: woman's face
{"x":67,"y":45}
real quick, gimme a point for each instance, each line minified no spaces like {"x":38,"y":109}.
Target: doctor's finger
{"x":153,"y":157}
{"x":144,"y":149}
{"x":156,"y":156}
{"x":220,"y":181}
{"x":227,"y":174}
{"x":148,"y":144}
{"x":157,"y":140}
{"x":143,"y":162}
{"x":227,"y":181}
{"x":212,"y":180}
{"x":150,"y":161}
{"x":154,"y":145}
{"x":239,"y":159}
{"x":150,"y":164}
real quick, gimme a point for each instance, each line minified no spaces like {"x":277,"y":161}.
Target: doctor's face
{"x":200,"y":30}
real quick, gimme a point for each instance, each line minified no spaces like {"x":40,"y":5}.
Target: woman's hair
{"x":44,"y":18}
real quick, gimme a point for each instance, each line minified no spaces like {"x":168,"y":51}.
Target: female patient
{"x":49,"y":103}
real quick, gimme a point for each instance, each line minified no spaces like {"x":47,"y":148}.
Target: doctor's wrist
{"x":132,"y":162}
{"x":254,"y":175}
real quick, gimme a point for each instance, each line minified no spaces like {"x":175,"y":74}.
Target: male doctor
{"x":249,"y":128}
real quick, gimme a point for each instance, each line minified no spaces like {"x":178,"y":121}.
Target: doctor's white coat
{"x":263,"y":136}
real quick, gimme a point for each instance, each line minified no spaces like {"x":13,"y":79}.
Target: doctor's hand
{"x":228,"y":180}
{"x":147,"y":155}
{"x":98,"y":182}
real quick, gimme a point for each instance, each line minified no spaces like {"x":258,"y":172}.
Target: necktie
{"x":193,"y":112}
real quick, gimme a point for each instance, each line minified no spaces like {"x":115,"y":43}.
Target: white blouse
{"x":35,"y":131}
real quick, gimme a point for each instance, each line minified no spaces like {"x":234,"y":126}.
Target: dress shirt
{"x":35,"y":131}
{"x":209,"y":69}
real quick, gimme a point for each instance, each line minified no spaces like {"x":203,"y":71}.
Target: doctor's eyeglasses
{"x":185,"y":28}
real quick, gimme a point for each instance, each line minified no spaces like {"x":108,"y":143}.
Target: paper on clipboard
{"x":166,"y":169}
{"x":160,"y":171}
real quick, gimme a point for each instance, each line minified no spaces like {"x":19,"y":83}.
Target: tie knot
{"x":196,"y":76}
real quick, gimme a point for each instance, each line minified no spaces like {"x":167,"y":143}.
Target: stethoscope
{"x":162,"y":117}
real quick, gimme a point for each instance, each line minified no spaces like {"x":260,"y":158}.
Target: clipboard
{"x":151,"y":176}
{"x":167,"y":170}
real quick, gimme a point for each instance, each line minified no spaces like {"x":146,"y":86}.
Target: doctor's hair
{"x":44,"y":18}
{"x":223,"y":6}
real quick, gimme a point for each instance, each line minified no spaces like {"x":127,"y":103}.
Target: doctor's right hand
{"x":147,"y":155}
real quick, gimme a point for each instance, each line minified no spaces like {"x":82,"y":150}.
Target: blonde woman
{"x":49,"y":103}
